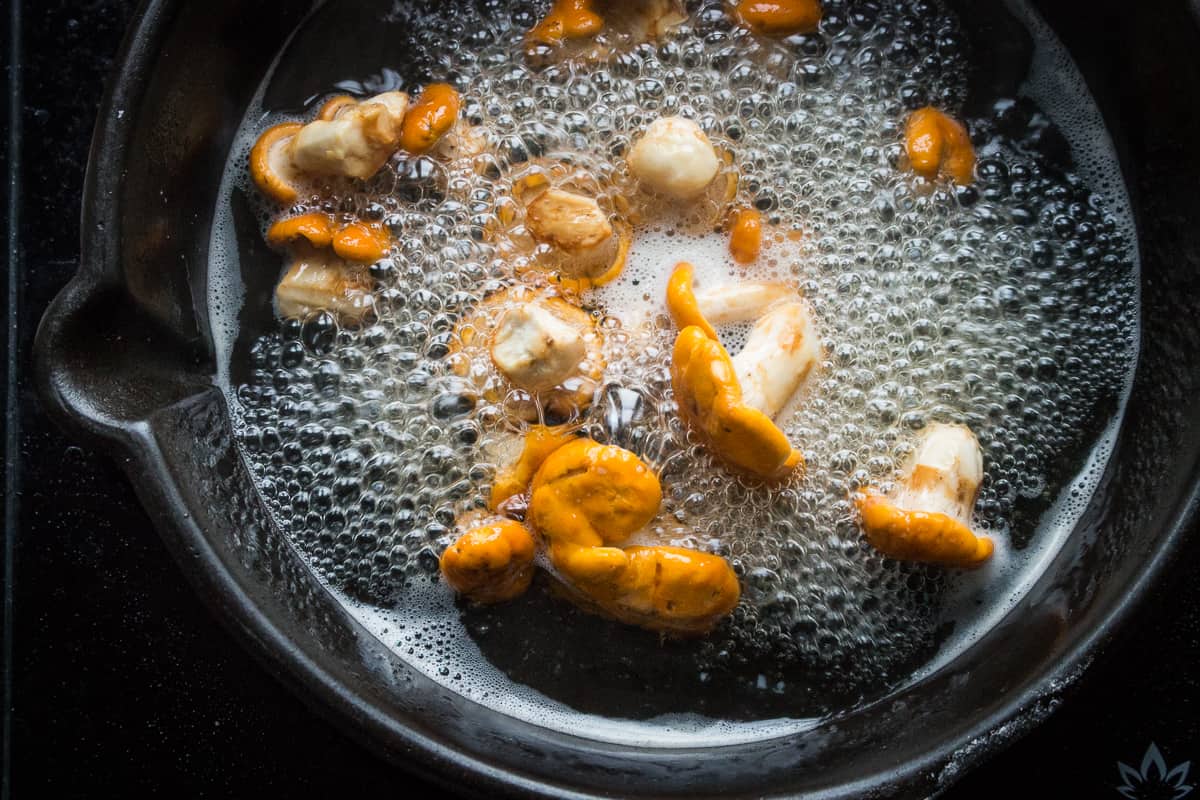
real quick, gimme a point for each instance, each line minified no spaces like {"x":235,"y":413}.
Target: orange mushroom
{"x":746,"y":235}
{"x":566,"y":19}
{"x":348,"y":139}
{"x":779,"y":17}
{"x":540,"y":442}
{"x":586,"y":500}
{"x":938,"y":144}
{"x":318,"y":277}
{"x":732,"y":401}
{"x":271,"y":165}
{"x":430,"y":118}
{"x":927,"y":517}
{"x":364,"y":242}
{"x":490,"y":563}
{"x":314,"y":228}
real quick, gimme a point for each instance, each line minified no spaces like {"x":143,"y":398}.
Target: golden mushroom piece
{"x":779,"y":17}
{"x":490,"y":563}
{"x":536,"y":342}
{"x":927,"y":517}
{"x":583,"y":239}
{"x":622,"y":22}
{"x":732,"y":401}
{"x":349,"y":139}
{"x":327,"y":270}
{"x":433,"y":116}
{"x":937,"y":144}
{"x":586,"y":500}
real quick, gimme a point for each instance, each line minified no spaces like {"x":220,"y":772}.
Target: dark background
{"x":118,"y":681}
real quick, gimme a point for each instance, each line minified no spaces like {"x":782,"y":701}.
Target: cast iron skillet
{"x":125,"y":359}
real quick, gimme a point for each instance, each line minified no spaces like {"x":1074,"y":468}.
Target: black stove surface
{"x":120,"y":683}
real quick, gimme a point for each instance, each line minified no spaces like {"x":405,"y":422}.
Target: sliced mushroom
{"x":927,"y":516}
{"x":430,"y":118}
{"x":319,"y":281}
{"x":356,"y":142}
{"x":732,"y":402}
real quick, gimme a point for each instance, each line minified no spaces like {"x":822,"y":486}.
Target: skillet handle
{"x":103,"y":366}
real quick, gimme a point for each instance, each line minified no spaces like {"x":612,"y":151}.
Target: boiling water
{"x":1009,"y":306}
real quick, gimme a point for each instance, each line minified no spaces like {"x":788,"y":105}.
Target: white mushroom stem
{"x":535,"y":349}
{"x":356,"y":142}
{"x":319,"y":281}
{"x":742,"y":302}
{"x":944,"y":473}
{"x":781,"y":350}
{"x":674,"y":157}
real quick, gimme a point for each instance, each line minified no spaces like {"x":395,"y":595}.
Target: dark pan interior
{"x":125,"y":357}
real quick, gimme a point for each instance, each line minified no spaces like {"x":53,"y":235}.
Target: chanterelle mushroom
{"x":327,"y":268}
{"x":490,"y":563}
{"x":577,"y":228}
{"x":675,"y":158}
{"x":626,"y":22}
{"x":348,"y":138}
{"x":536,"y":342}
{"x":779,"y":17}
{"x":938,"y":144}
{"x":586,"y":500}
{"x":732,"y":402}
{"x":927,"y":517}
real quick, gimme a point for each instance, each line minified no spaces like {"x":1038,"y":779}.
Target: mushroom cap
{"x":586,"y":499}
{"x":746,"y":235}
{"x":314,"y":229}
{"x":430,"y":118}
{"x":364,"y":242}
{"x":710,"y":399}
{"x":937,"y":143}
{"x":779,"y":17}
{"x":913,"y":535}
{"x":271,"y":165}
{"x":592,"y":495}
{"x":566,"y":19}
{"x":490,"y":563}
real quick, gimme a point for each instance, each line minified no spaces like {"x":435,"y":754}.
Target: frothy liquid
{"x":1009,"y":306}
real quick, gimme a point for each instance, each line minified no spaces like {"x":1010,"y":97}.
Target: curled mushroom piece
{"x":430,"y":118}
{"x":937,"y":144}
{"x":674,"y":157}
{"x":927,"y":517}
{"x":348,"y":138}
{"x":588,"y":499}
{"x":779,"y":17}
{"x":490,"y":563}
{"x":536,"y":342}
{"x":327,"y":269}
{"x":732,"y":401}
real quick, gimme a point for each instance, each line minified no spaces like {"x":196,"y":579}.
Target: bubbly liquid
{"x":1009,"y":306}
